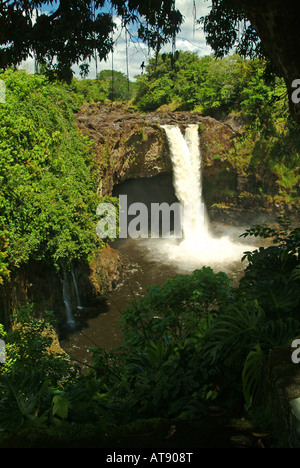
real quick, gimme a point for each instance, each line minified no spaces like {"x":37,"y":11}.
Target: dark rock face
{"x":105,"y":270}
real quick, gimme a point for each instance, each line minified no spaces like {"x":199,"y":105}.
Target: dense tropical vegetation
{"x":78,"y":31}
{"x":196,"y":341}
{"x":48,"y":173}
{"x":244,"y":90}
{"x":207,"y":84}
{"x":48,"y":178}
{"x":110,"y":84}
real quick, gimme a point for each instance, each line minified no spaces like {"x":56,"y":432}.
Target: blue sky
{"x":189,"y":38}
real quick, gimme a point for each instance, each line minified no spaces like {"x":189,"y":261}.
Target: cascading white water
{"x":67,"y":300}
{"x":198,"y":247}
{"x":186,"y":161}
{"x":79,"y":303}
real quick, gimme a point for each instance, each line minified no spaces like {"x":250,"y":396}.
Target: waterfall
{"x":79,"y":304}
{"x":67,"y":300}
{"x":198,"y":247}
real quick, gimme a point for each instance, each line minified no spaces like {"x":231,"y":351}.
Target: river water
{"x":145,"y":262}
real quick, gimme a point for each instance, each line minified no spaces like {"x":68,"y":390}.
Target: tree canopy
{"x":266,"y":28}
{"x":48,"y":184}
{"x":59,"y":34}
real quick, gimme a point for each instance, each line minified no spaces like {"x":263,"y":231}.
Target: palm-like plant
{"x":21,"y":395}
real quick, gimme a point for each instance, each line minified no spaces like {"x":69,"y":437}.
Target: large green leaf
{"x":233,"y":333}
{"x":251,"y":375}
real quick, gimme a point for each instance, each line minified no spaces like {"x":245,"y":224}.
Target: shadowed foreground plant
{"x":21,"y":394}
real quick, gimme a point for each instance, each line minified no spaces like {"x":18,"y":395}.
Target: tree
{"x":119,"y":87}
{"x":73,"y":30}
{"x":266,"y":28}
{"x":212,"y":86}
{"x":48,"y":194}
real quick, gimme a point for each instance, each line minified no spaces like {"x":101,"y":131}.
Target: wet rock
{"x":105,"y":270}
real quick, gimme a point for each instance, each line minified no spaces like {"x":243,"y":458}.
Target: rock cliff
{"x":130,"y":145}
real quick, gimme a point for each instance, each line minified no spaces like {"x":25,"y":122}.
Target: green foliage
{"x":161,"y":378}
{"x":251,"y":375}
{"x":165,"y":380}
{"x":119,"y":88}
{"x":73,"y":32}
{"x":32,"y":343}
{"x":90,"y":90}
{"x":60,"y":406}
{"x":271,"y":275}
{"x":233,"y":334}
{"x":191,"y":343}
{"x":108,"y":85}
{"x":213,"y":86}
{"x":168,"y":80}
{"x":47,"y":196}
{"x":21,"y":394}
{"x":176,"y":307}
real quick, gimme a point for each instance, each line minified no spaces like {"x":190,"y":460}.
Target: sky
{"x":190,"y":38}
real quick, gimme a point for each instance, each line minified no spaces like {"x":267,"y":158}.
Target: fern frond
{"x":20,"y":396}
{"x":233,"y":333}
{"x":295,"y":275}
{"x":251,"y":375}
{"x":279,"y":332}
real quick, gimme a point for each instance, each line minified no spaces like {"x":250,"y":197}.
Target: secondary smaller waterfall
{"x":67,"y":300}
{"x":79,"y":303}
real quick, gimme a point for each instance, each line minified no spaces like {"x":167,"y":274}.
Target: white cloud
{"x":190,"y":38}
